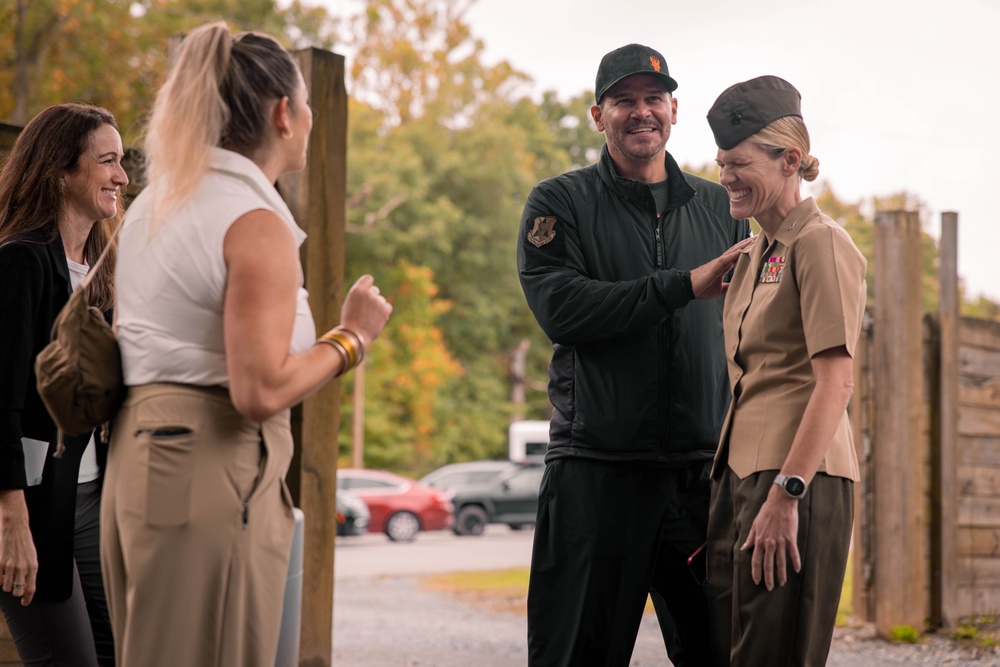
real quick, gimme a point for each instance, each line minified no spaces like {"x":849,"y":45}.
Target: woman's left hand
{"x":773,"y":538}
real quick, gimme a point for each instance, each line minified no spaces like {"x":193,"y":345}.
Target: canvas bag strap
{"x":104,"y":253}
{"x":104,"y":430}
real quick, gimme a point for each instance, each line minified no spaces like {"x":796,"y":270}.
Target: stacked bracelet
{"x":359,"y":340}
{"x":349,"y":343}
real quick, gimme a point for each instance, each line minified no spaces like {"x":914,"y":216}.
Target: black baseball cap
{"x":746,"y":108}
{"x":629,"y":60}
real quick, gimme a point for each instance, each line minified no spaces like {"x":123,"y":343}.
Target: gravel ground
{"x":394,"y":622}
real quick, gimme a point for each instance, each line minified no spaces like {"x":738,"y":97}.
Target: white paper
{"x":34,"y":459}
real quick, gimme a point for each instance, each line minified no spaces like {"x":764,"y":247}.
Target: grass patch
{"x":507,"y":590}
{"x":904,"y":634}
{"x":979,"y":630}
{"x":845,"y":608}
{"x":493,"y":590}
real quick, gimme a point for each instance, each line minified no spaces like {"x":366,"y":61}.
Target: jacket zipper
{"x":662,"y":389}
{"x":659,"y":246}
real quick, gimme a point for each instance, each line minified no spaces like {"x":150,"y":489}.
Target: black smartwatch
{"x":793,"y":485}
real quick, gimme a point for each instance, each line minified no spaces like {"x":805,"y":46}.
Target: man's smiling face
{"x":635,"y":116}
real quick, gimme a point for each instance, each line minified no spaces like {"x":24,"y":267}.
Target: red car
{"x":399,"y":507}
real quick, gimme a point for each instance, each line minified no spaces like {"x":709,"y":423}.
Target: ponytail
{"x":188,"y":118}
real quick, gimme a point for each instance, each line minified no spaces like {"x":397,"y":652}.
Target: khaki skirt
{"x":196,"y":529}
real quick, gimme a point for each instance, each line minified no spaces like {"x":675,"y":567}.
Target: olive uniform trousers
{"x":792,"y":625}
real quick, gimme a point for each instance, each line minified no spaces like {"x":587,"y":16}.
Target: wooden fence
{"x":926,"y":417}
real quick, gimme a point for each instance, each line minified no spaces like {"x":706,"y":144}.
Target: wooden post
{"x":518,"y":377}
{"x":861,"y":427}
{"x":900,"y":447}
{"x":358,"y":419}
{"x":316,"y":198}
{"x":947,"y":470}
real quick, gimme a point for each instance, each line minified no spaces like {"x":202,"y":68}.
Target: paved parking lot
{"x":384,"y":617}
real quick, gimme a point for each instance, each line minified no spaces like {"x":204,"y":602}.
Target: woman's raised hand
{"x":365,"y":309}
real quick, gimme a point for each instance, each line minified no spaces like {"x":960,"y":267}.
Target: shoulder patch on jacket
{"x":542,"y":231}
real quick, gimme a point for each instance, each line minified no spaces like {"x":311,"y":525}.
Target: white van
{"x":528,"y":440}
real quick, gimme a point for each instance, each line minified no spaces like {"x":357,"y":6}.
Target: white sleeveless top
{"x":171,"y":285}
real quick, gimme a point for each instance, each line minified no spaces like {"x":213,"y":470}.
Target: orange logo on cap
{"x":655,"y":62}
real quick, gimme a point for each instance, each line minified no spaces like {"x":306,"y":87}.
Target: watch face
{"x":795,"y":486}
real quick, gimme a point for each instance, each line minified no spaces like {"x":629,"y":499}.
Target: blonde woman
{"x":217,"y":343}
{"x":782,"y":492}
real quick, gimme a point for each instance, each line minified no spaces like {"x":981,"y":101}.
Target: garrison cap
{"x":746,"y":108}
{"x":629,"y":60}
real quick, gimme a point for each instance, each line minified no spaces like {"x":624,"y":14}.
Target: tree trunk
{"x":517,"y":375}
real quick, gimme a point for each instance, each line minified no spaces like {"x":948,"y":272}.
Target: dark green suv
{"x":490,"y":492}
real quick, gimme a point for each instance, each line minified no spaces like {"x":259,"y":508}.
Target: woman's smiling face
{"x":756,"y":182}
{"x":92,"y":189}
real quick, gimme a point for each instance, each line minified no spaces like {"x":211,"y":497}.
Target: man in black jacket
{"x":621,"y":263}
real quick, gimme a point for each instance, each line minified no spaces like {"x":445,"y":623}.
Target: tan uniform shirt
{"x":800,"y":295}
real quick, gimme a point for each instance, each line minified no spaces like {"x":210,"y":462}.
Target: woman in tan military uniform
{"x":782,"y":493}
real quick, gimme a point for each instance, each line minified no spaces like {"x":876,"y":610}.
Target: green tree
{"x":114,"y":52}
{"x":442,"y":154}
{"x":417,"y":59}
{"x":407,"y":374}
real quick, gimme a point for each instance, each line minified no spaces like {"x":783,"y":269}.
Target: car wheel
{"x":471,"y":520}
{"x":402,"y":527}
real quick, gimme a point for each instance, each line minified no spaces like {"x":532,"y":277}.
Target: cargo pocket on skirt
{"x":170,"y":474}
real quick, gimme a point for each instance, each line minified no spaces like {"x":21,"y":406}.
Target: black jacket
{"x":638,"y":369}
{"x":34,"y":286}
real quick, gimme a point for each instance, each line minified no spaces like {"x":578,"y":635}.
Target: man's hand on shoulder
{"x":706,"y":280}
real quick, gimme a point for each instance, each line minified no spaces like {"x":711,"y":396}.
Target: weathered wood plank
{"x":979,"y":571}
{"x":979,"y":362}
{"x":973,"y":420}
{"x":980,"y":333}
{"x":861,"y":408}
{"x":981,"y":480}
{"x":977,"y":599}
{"x":979,"y":391}
{"x":978,"y":511}
{"x":978,"y":541}
{"x":900,"y":448}
{"x":945,"y":545}
{"x":976,"y":450}
{"x":317,"y":196}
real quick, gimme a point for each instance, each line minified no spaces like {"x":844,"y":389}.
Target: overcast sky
{"x":897,"y":95}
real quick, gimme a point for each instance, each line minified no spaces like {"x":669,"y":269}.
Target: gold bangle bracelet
{"x":340,"y":349}
{"x":352,"y":347}
{"x":345,"y":341}
{"x":359,"y":339}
